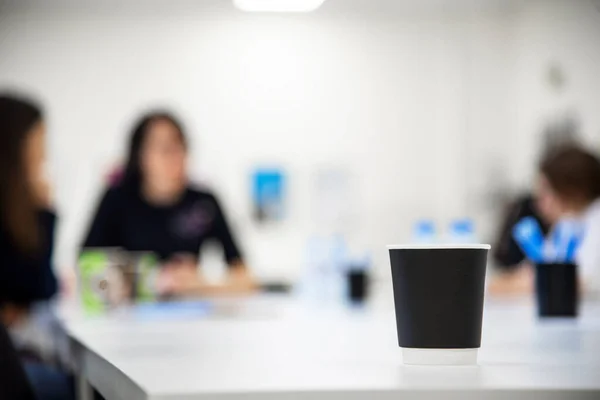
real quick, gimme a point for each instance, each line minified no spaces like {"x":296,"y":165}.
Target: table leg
{"x":84,"y":390}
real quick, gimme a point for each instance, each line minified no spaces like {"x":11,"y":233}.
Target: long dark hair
{"x":17,"y":208}
{"x":133,"y":176}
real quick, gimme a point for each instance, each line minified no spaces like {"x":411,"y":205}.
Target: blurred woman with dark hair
{"x":26,"y":235}
{"x":153,"y":208}
{"x":27,"y":225}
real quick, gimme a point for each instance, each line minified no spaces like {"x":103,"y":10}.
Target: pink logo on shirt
{"x":195,"y":221}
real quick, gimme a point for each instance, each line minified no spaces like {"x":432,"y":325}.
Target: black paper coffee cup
{"x":556,"y":289}
{"x":438,"y":298}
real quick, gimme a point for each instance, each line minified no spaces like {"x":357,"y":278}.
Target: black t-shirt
{"x":125,"y":219}
{"x":27,"y":278}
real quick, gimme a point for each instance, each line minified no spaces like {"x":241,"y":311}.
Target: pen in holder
{"x":556,"y":284}
{"x":529,"y":236}
{"x":556,"y":289}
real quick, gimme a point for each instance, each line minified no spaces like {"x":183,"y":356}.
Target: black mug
{"x":438,"y":298}
{"x":556,"y":289}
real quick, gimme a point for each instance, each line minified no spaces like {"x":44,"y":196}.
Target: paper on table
{"x":177,"y":309}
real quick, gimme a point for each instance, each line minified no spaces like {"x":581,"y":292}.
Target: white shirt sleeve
{"x":588,"y":256}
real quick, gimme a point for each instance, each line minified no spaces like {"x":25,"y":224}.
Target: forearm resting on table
{"x":239,"y":281}
{"x":511,"y":283}
{"x":522,"y":282}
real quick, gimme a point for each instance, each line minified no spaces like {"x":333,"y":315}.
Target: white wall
{"x":566,"y":33}
{"x":418,"y":104}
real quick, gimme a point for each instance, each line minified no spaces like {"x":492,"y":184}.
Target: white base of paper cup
{"x":413,"y":356}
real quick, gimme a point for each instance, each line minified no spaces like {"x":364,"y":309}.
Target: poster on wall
{"x":268,"y":194}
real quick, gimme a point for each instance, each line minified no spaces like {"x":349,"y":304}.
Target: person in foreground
{"x":153,"y":208}
{"x":26,"y":241}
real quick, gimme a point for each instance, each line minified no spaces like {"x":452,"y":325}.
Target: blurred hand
{"x":519,"y":282}
{"x":179,"y":276}
{"x":240,"y":281}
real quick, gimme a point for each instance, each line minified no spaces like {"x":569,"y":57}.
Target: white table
{"x":271,"y":350}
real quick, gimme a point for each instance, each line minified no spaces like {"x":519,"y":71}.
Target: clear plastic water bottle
{"x":424,"y":232}
{"x":322,"y":283}
{"x":312,"y":285}
{"x":337,"y":266}
{"x":461,"y":231}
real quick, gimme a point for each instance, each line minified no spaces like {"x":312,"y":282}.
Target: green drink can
{"x":102,"y":280}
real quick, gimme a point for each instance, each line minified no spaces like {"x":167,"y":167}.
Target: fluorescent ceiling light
{"x":278,"y":5}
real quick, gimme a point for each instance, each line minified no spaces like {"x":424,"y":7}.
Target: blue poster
{"x":268,"y":190}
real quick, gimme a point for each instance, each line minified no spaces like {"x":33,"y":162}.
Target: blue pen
{"x":573,"y":245}
{"x":559,"y":239}
{"x":529,"y":237}
{"x":565,"y":238}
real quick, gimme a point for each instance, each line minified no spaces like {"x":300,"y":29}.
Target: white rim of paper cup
{"x":439,"y":246}
{"x":413,"y":356}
